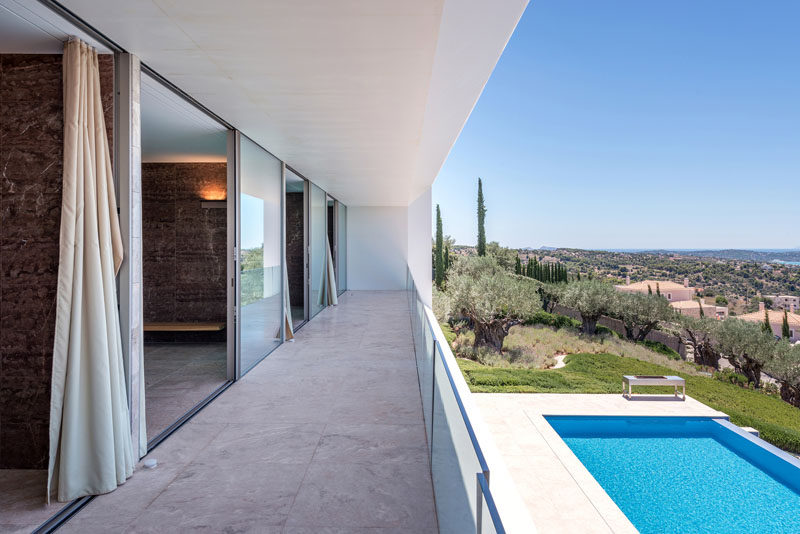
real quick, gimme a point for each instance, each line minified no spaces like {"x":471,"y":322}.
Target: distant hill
{"x":764,"y":255}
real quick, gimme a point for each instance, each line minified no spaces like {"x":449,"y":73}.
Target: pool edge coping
{"x":608,"y":510}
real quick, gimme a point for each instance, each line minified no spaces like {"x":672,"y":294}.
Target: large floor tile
{"x":365,"y":495}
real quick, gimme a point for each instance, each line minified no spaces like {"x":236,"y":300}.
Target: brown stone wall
{"x":294,"y":247}
{"x":31,"y":149}
{"x":184,"y":247}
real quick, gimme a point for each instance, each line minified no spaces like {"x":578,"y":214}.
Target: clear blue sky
{"x":636,"y":124}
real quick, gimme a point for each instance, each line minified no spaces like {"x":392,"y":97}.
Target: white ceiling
{"x":27,"y":27}
{"x":364,"y":97}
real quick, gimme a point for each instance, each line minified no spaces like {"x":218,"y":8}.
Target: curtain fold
{"x":90,"y":439}
{"x":287,"y":307}
{"x":327,"y":294}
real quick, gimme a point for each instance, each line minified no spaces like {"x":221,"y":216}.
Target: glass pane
{"x":454,"y":463}
{"x":260,"y":253}
{"x":342,"y":248}
{"x":319,"y":238}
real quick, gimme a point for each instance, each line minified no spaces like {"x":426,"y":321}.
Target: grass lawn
{"x":778,"y":422}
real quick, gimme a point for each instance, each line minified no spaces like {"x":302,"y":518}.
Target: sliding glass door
{"x":319,"y":256}
{"x":260,"y":281}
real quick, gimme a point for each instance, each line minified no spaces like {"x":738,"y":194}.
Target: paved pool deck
{"x":559,"y":492}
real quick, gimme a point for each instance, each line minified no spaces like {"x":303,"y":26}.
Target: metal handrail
{"x":483,"y":493}
{"x":483,"y":485}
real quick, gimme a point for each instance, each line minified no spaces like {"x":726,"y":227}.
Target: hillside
{"x":732,"y":278}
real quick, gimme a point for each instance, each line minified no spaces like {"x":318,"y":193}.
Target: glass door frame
{"x":233,"y":255}
{"x":235,"y":367}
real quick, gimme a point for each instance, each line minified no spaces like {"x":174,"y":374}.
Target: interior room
{"x":332,"y":222}
{"x":296,"y":246}
{"x":184,"y":254}
{"x":31,"y":152}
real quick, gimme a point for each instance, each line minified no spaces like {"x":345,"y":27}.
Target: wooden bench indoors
{"x":183,"y":327}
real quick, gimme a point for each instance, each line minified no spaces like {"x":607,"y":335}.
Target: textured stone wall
{"x":294,"y":247}
{"x":31,"y":151}
{"x":184,"y":247}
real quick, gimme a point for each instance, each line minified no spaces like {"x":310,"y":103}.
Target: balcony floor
{"x":324,"y":435}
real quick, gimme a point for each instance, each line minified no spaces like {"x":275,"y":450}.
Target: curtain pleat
{"x":90,"y":439}
{"x":327,"y":294}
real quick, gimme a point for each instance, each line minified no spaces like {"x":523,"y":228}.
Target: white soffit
{"x":364,"y":97}
{"x":28,"y":27}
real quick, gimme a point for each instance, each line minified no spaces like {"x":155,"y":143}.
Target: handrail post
{"x":479,"y":504}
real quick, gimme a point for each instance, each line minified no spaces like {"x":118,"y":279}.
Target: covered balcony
{"x":328,"y":432}
{"x":325,"y":432}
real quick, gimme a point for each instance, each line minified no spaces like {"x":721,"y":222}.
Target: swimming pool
{"x":687,"y":474}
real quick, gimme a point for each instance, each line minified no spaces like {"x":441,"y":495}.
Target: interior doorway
{"x":184,"y":256}
{"x":297,"y":247}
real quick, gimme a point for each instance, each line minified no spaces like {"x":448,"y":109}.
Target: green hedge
{"x":552,"y":319}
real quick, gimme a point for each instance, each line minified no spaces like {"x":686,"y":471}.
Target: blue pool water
{"x":671,"y":474}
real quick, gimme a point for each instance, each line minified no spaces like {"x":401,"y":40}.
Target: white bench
{"x":652,"y":380}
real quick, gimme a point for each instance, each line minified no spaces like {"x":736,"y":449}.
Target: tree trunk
{"x":628,"y":331}
{"x":704,"y":354}
{"x":589,"y":325}
{"x":644,"y":331}
{"x":490,"y":334}
{"x":751,"y":369}
{"x":790,"y":394}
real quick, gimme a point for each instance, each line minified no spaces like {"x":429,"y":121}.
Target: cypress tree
{"x":658,"y":289}
{"x":785,"y":332}
{"x":578,"y":276}
{"x":481,"y":221}
{"x":446,"y":259}
{"x":702,"y":313}
{"x":439,"y":255}
{"x":517,"y":266}
{"x":766,"y":327}
{"x":649,"y":290}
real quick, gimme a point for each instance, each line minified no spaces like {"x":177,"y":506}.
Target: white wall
{"x":420,"y":237}
{"x":377,"y":246}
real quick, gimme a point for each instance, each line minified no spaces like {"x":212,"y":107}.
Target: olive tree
{"x":592,"y":299}
{"x":784,"y":366}
{"x":550,"y":295}
{"x":698,"y":334}
{"x":746,"y":346}
{"x":490,"y":298}
{"x":641,"y":313}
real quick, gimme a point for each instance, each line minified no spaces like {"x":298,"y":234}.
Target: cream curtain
{"x":328,"y":296}
{"x":90,"y":438}
{"x":287,"y":306}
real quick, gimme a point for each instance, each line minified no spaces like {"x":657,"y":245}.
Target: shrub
{"x":551,"y":319}
{"x":657,"y":346}
{"x":731,"y":377}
